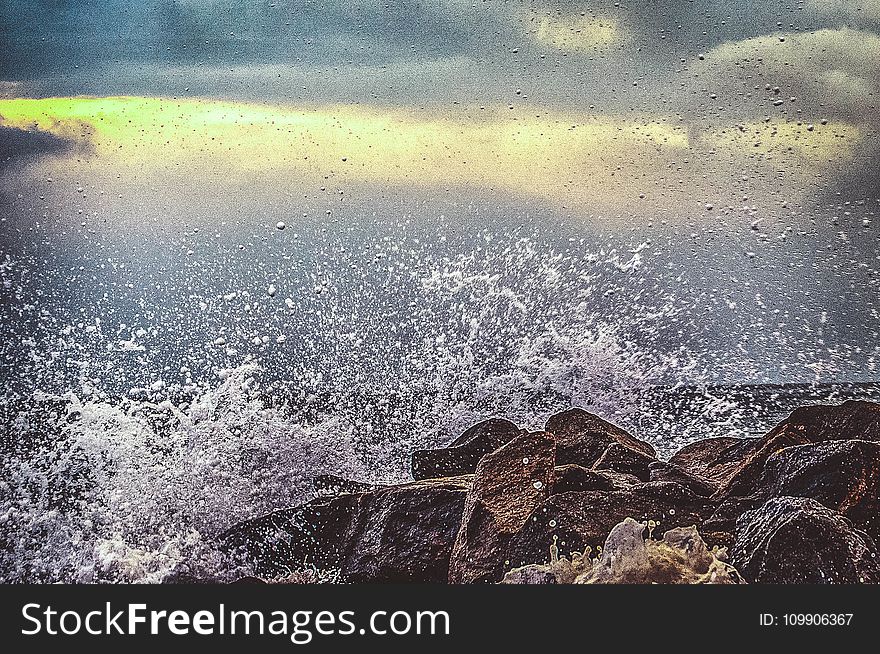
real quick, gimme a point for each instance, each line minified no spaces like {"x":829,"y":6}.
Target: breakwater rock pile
{"x":583,"y":501}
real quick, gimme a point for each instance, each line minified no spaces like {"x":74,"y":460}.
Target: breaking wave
{"x":109,"y":484}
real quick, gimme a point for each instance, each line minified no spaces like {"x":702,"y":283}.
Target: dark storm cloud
{"x":49,"y":37}
{"x":19,"y":146}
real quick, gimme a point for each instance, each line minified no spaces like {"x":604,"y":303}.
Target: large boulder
{"x":507,"y":486}
{"x":579,"y":520}
{"x":621,"y":458}
{"x":664,"y":471}
{"x":465,"y":452}
{"x":854,"y":419}
{"x":731,"y":464}
{"x":714,"y":459}
{"x":281,"y":542}
{"x":404,"y":533}
{"x":841,"y":475}
{"x":798,"y":540}
{"x":751,"y":467}
{"x":583,"y":438}
{"x":399,"y":533}
{"x":572,"y":477}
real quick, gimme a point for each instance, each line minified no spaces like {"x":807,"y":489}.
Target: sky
{"x":509,"y":93}
{"x":738,"y":138}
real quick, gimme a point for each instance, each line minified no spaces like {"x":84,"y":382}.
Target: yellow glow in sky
{"x":560,"y":157}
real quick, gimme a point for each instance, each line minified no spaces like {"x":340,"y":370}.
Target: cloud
{"x":830,"y":72}
{"x":868,"y":10}
{"x":811,"y":97}
{"x":578,"y":33}
{"x":19,"y":146}
{"x":571,"y":160}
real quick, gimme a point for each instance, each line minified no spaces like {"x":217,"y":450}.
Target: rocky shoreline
{"x":583,"y":501}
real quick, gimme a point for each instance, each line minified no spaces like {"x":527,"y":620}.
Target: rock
{"x":727,"y":512}
{"x":465,"y":452}
{"x":842,"y":475}
{"x":721,"y":459}
{"x":620,"y":458}
{"x":582,"y":438}
{"x":854,"y":419}
{"x":680,"y":558}
{"x":732,"y":464}
{"x":285,"y":540}
{"x":714,"y":459}
{"x":663,"y":471}
{"x":330,"y":485}
{"x":750,"y":469}
{"x":507,"y":486}
{"x":404,"y":533}
{"x":584,"y":519}
{"x":797,"y":540}
{"x":397,"y":533}
{"x":577,"y":478}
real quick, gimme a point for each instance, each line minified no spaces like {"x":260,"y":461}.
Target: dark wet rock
{"x":854,"y":419}
{"x":842,"y":475}
{"x":582,"y":438}
{"x":798,"y":540}
{"x":397,"y":533}
{"x":621,"y":458}
{"x":577,"y":478}
{"x":663,"y":471}
{"x":714,"y":459}
{"x":728,"y":512}
{"x":465,"y":452}
{"x":285,"y":540}
{"x":330,"y":485}
{"x":752,"y":465}
{"x":404,"y":533}
{"x":582,"y":519}
{"x":508,"y":484}
{"x":733,"y":464}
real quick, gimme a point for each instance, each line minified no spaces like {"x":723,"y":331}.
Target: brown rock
{"x":714,"y":459}
{"x":842,"y":475}
{"x":404,"y":533}
{"x":854,"y":419}
{"x":663,"y":471}
{"x":751,"y":467}
{"x":720,"y":460}
{"x":572,"y":477}
{"x":582,"y":438}
{"x":621,"y":458}
{"x":389,"y":534}
{"x":465,"y":452}
{"x":797,"y":540}
{"x":508,"y":484}
{"x":279,"y":542}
